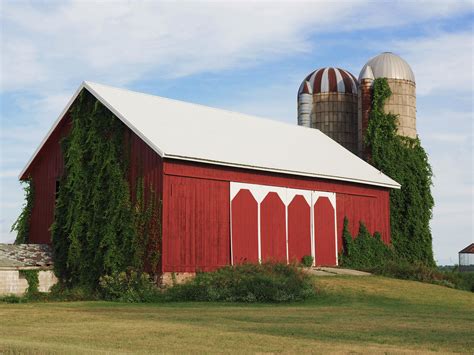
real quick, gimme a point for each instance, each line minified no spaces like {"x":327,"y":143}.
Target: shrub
{"x":267,"y":282}
{"x":460,"y":280}
{"x":130,"y":286}
{"x":60,"y":292}
{"x":12,"y":299}
{"x":307,"y":261}
{"x":417,"y":271}
{"x":402,"y":269}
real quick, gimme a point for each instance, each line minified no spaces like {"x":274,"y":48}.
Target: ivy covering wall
{"x":22,"y":224}
{"x":363,"y":251}
{"x":32,"y":278}
{"x":404,"y":160}
{"x":98,"y":230}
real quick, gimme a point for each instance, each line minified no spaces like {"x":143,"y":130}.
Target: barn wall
{"x":144,"y":164}
{"x":355,"y":201}
{"x":45,"y":170}
{"x":48,"y":167}
{"x":196,"y":224}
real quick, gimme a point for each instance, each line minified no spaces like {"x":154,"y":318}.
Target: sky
{"x":243,"y":56}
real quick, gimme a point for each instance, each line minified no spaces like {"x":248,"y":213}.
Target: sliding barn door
{"x":299,"y":224}
{"x":282,"y":224}
{"x":273,"y":227}
{"x":325,"y":237}
{"x":245,"y":228}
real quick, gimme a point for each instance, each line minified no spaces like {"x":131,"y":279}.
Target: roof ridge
{"x":255,"y":117}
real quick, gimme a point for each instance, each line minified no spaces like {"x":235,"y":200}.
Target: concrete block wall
{"x":170,"y":278}
{"x":11,"y":282}
{"x":47,"y":279}
{"x":335,"y":114}
{"x":402,"y":102}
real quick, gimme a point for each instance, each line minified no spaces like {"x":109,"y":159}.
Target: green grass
{"x":350,"y":314}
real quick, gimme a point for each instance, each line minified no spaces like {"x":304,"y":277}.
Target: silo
{"x":402,"y":102}
{"x":327,"y":100}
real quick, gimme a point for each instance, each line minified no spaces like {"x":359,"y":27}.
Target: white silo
{"x":402,"y":102}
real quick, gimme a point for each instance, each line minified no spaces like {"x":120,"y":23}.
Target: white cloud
{"x":118,"y":42}
{"x":122,"y":41}
{"x":441,"y":62}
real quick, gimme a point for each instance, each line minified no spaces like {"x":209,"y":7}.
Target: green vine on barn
{"x":147,"y":225}
{"x":404,"y":160}
{"x":364,"y":251}
{"x":97,"y":230}
{"x":22,"y":224}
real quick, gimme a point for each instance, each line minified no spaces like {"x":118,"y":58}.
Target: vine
{"x":404,"y":160}
{"x":22,"y":223}
{"x":365,"y":250}
{"x":147,"y":224}
{"x":96,"y":230}
{"x":32,"y":279}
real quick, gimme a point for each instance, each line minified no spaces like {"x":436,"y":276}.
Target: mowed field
{"x":351,"y":315}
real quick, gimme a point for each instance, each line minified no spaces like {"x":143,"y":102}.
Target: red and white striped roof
{"x":329,"y":80}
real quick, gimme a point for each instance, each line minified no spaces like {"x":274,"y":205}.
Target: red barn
{"x":234,"y":187}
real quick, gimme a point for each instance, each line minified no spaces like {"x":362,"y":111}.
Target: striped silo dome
{"x":329,"y":80}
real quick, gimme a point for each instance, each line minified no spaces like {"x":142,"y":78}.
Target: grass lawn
{"x":351,"y":314}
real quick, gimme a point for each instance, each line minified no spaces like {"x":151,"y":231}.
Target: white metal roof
{"x":387,"y":65}
{"x":186,"y":131}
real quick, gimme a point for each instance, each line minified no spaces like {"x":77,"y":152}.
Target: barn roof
{"x":468,"y":250}
{"x":186,"y":131}
{"x":23,"y":255}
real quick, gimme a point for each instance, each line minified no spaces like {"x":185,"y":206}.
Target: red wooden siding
{"x":374,"y":211}
{"x":299,"y":229}
{"x":144,"y":164}
{"x":324,"y":232}
{"x":273,"y":228}
{"x":356,"y":201}
{"x":244,"y":228}
{"x":45,"y":170}
{"x":196,"y":234}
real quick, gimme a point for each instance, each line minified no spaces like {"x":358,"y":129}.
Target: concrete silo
{"x":402,"y":102}
{"x":327,"y":100}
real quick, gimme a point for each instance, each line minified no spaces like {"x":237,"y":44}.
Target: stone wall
{"x":11,"y":282}
{"x":335,"y":114}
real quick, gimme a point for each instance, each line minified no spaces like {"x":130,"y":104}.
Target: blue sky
{"x":242,"y":56}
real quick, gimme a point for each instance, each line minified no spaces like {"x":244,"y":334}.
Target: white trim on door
{"x":259,"y":192}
